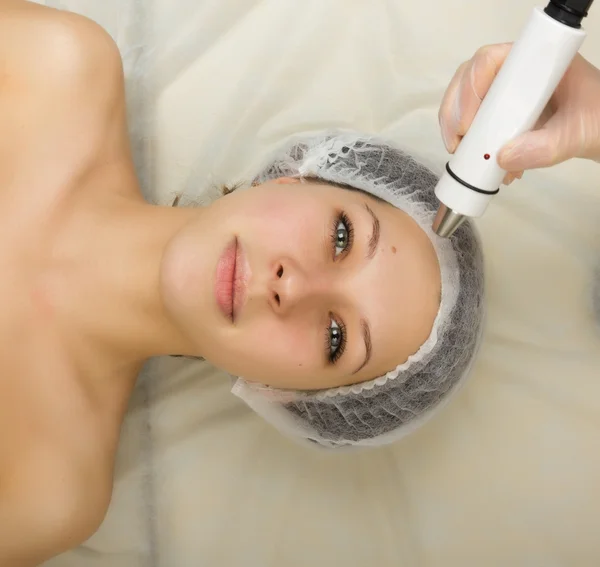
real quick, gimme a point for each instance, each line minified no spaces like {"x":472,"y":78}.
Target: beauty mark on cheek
{"x":393,"y":249}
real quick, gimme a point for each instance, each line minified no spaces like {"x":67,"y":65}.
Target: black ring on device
{"x":477,"y":190}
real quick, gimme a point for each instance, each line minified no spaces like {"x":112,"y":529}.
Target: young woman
{"x":320,"y":285}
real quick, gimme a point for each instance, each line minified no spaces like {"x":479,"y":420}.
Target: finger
{"x":547,"y":113}
{"x":448,"y":122}
{"x":541,"y":123}
{"x":535,"y":149}
{"x":477,"y":80}
{"x":467,"y":89}
{"x":510,"y":177}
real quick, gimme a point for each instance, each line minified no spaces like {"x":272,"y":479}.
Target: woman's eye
{"x":336,"y":341}
{"x":341,"y":235}
{"x":341,"y":238}
{"x":335,"y":337}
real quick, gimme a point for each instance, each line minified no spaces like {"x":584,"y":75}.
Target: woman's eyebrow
{"x":374,"y":238}
{"x":372,"y":249}
{"x":366,"y":332}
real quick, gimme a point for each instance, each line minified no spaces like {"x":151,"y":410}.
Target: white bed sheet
{"x":509,"y":473}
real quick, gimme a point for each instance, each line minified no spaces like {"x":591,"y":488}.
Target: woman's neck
{"x":107,"y":284}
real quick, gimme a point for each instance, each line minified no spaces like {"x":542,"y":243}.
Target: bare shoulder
{"x":49,"y":503}
{"x":62,"y":95}
{"x":47,"y":51}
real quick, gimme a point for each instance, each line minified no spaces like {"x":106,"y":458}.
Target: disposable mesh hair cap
{"x":388,"y":407}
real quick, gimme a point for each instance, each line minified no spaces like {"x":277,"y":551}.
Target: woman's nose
{"x":292,"y":286}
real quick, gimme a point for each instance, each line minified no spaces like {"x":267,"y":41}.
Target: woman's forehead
{"x":401,"y":290}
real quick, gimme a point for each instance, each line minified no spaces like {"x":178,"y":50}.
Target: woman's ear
{"x":286,"y":180}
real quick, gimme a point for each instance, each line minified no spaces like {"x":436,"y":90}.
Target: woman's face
{"x":302,"y":285}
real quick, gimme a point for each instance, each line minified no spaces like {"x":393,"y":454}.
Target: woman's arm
{"x":49,"y":503}
{"x":35,"y":525}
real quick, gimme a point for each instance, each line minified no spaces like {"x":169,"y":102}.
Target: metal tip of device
{"x":447,"y":222}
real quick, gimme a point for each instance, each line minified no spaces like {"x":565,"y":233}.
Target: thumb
{"x":532,"y":150}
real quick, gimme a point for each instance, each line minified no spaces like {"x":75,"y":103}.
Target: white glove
{"x":569,"y":127}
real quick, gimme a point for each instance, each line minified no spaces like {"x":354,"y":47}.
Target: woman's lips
{"x":231,"y":281}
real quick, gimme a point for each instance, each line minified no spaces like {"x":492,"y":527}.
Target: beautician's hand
{"x":568,"y":128}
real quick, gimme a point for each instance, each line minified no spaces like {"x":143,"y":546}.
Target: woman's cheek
{"x":289,"y":227}
{"x":283,"y":344}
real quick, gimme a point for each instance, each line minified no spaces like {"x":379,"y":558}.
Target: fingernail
{"x":508,"y":179}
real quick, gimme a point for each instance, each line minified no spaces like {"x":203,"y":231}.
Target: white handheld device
{"x":516,"y":99}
